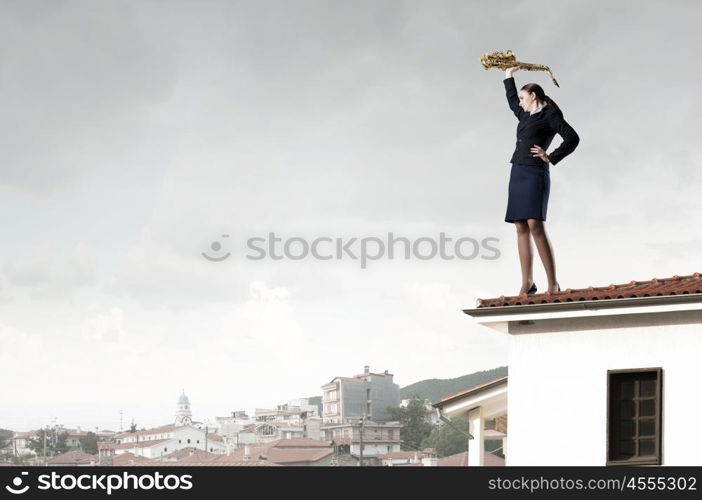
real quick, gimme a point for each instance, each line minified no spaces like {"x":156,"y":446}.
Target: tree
{"x":133,"y":426}
{"x":5,"y":440}
{"x":55,"y":442}
{"x":21,"y":459}
{"x":88,"y":443}
{"x":448,"y":441}
{"x":415,"y":427}
{"x":5,"y":437}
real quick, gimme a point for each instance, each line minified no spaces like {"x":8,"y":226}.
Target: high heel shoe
{"x":532,"y":289}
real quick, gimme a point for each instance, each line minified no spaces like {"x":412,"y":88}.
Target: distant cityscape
{"x":357,"y":420}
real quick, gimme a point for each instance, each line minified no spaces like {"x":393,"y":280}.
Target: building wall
{"x":384,"y":393}
{"x":313,"y":428}
{"x":331,"y":403}
{"x":230,"y":426}
{"x":373,"y":449}
{"x":558,"y":385}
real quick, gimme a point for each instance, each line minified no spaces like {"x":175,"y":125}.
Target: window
{"x":634,"y":410}
{"x":188,"y":440}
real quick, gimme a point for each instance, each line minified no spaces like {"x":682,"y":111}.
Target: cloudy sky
{"x":137,"y":133}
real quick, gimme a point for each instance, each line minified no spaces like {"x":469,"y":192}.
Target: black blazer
{"x":539,"y":128}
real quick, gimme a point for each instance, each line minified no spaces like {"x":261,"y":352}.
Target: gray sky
{"x":135,"y":133}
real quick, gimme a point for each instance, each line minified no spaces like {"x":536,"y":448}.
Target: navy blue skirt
{"x":529,"y":187}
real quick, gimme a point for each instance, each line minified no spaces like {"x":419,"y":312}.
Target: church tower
{"x":183,"y":414}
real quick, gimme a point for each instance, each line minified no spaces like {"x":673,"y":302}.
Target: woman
{"x":540,"y":119}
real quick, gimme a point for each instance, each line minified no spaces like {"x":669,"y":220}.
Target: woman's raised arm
{"x":512,"y":94}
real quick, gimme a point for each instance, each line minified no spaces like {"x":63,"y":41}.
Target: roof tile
{"x":675,"y":285}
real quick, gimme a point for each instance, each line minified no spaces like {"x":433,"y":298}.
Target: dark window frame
{"x":657,"y":458}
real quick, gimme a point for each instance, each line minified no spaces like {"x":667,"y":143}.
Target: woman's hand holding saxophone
{"x":509,"y":71}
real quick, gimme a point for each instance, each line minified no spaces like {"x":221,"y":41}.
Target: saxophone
{"x":504,"y":60}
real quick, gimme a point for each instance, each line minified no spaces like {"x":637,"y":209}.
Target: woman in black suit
{"x":540,"y":119}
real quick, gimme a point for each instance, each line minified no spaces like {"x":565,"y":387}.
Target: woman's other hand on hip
{"x":537,"y":150}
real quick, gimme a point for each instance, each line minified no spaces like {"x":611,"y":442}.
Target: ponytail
{"x":540,"y":94}
{"x":551,"y":102}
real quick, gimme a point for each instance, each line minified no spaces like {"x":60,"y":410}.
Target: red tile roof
{"x":72,"y":432}
{"x":299,"y":443}
{"x":25,"y":435}
{"x":73,"y":458}
{"x":356,"y":378}
{"x":287,"y":456}
{"x":675,"y":285}
{"x":255,"y":451}
{"x":461,"y":460}
{"x":146,"y":432}
{"x":186,"y":452}
{"x":272,"y":454}
{"x":128,"y":459}
{"x":215,"y":463}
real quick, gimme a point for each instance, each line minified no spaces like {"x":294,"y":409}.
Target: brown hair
{"x":540,"y":94}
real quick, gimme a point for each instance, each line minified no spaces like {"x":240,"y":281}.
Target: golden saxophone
{"x":504,"y":60}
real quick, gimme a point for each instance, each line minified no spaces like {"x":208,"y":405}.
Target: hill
{"x":434,"y":389}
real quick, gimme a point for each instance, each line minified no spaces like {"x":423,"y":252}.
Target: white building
{"x":160,"y":441}
{"x":613,"y":369}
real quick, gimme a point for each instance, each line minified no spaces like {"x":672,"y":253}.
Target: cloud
{"x":49,"y":275}
{"x":108,"y":326}
{"x":78,"y":86}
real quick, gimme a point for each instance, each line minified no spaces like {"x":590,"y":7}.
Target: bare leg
{"x":525,"y":254}
{"x":543,"y":245}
